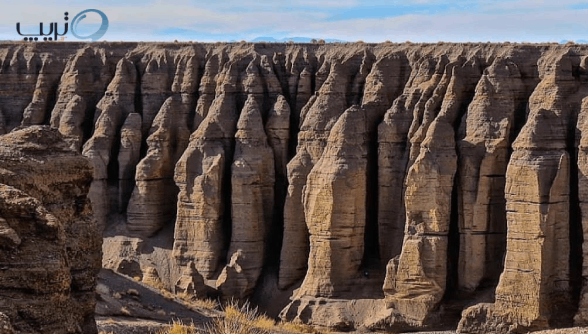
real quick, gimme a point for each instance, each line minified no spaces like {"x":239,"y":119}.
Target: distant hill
{"x":293,"y":39}
{"x":579,"y":41}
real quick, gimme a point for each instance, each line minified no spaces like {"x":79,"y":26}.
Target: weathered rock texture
{"x":252,"y":199}
{"x":379,"y":185}
{"x":50,"y":247}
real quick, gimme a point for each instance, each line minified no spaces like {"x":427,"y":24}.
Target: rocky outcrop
{"x":335,"y":208}
{"x":152,"y":203}
{"x":393,"y":150}
{"x":129,"y":155}
{"x":84,"y":79}
{"x":50,"y":246}
{"x":111,"y":112}
{"x":534,"y":288}
{"x":487,"y":130}
{"x":252,"y":200}
{"x":417,"y":281}
{"x":386,"y":186}
{"x":191,"y":282}
{"x":321,"y":114}
{"x":581,"y":317}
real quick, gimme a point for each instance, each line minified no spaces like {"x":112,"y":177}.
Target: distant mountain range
{"x":579,"y":41}
{"x":293,"y":39}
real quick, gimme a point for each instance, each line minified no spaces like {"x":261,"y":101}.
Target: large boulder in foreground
{"x":50,"y":248}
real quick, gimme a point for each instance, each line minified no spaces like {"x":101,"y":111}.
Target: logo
{"x":53,"y":28}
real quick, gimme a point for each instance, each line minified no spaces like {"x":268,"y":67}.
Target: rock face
{"x":50,"y":249}
{"x":252,"y":199}
{"x":335,"y":208}
{"x":191,"y":282}
{"x":487,"y":130}
{"x":386,"y":186}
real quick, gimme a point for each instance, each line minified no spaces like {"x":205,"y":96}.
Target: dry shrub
{"x":241,"y":319}
{"x":193,"y":301}
{"x":300,"y":328}
{"x":177,"y":327}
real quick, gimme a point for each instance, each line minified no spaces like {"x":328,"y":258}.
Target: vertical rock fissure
{"x":575,"y":236}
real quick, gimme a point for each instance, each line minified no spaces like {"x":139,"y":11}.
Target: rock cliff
{"x":389,"y":186}
{"x":50,"y":246}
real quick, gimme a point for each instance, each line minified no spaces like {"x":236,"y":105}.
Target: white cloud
{"x":496,"y":21}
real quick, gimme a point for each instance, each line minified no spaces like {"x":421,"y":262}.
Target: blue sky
{"x":351,"y":20}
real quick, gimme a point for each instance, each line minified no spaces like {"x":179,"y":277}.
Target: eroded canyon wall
{"x":386,"y":186}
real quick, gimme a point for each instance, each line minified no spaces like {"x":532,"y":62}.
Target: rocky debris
{"x":191,"y":282}
{"x":151,"y":277}
{"x":51,"y":250}
{"x":234,"y":280}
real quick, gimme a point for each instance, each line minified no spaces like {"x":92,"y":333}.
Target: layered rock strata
{"x":50,"y":247}
{"x":379,"y":185}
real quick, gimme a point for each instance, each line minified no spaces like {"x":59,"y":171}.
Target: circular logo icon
{"x":99,"y":33}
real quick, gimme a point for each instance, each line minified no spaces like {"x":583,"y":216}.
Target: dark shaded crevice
{"x":138,"y":100}
{"x":5,"y":66}
{"x":371,"y":253}
{"x":51,"y":101}
{"x":196,"y":95}
{"x":575,"y":232}
{"x":226,"y":190}
{"x":576,"y":236}
{"x":226,"y":200}
{"x":453,"y":244}
{"x":276,"y":233}
{"x":113,"y":166}
{"x":279,"y":67}
{"x":89,"y":115}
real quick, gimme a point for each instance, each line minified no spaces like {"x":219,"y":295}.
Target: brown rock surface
{"x":334,"y":204}
{"x":129,"y":155}
{"x":111,"y":112}
{"x":50,"y":252}
{"x":452,"y":179}
{"x":321,"y":114}
{"x":191,"y":282}
{"x":487,"y":129}
{"x":252,"y":199}
{"x":581,"y":318}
